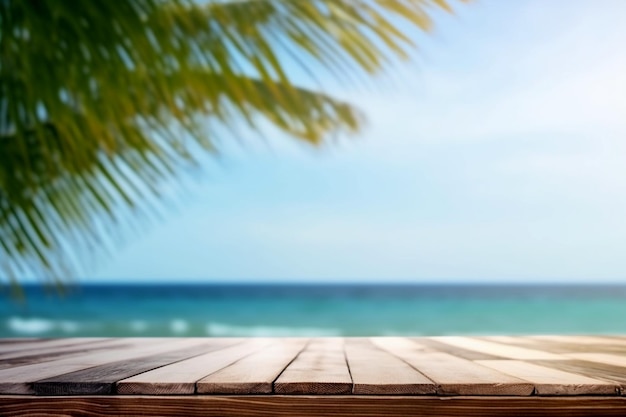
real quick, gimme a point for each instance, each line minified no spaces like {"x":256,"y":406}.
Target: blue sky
{"x":498,"y":156}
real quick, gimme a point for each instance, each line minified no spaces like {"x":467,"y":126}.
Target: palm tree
{"x":100,"y":101}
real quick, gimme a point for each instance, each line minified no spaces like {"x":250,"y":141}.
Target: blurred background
{"x":484,"y":194}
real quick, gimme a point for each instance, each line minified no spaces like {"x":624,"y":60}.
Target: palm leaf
{"x":102,"y":101}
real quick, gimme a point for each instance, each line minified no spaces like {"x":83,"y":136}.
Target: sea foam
{"x":225,"y":330}
{"x":30,"y":326}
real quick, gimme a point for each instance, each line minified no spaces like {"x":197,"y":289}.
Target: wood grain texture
{"x":310,"y":406}
{"x":609,"y":373}
{"x":550,"y":381}
{"x":400,"y":343}
{"x":12,"y":344}
{"x":511,"y":340}
{"x":100,"y":380}
{"x":16,"y":350}
{"x":32,"y":356}
{"x":390,"y":366}
{"x":607,"y":358}
{"x":181,"y":377}
{"x":436,"y":346}
{"x":19,"y":379}
{"x":497,"y":349}
{"x":580,"y":340}
{"x":255,"y":373}
{"x":456,"y":376}
{"x":579,"y":344}
{"x":375,"y":371}
{"x":320,"y":368}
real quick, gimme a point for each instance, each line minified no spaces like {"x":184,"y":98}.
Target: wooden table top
{"x":433,"y":366}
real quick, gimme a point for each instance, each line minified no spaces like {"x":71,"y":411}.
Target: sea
{"x":224,"y":310}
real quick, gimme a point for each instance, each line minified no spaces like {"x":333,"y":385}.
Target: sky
{"x":498,"y":156}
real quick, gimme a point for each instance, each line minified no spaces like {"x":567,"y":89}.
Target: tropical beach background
{"x":485,"y":194}
{"x":254,"y":310}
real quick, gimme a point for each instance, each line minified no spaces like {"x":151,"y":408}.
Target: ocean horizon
{"x":308,"y":309}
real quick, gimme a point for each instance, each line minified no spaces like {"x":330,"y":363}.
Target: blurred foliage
{"x":102,"y":100}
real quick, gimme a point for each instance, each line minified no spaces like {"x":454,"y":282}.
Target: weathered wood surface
{"x":549,"y":381}
{"x":311,"y":406}
{"x":376,"y":371}
{"x":255,"y":373}
{"x":321,"y":368}
{"x":454,"y":375}
{"x":21,"y":378}
{"x":102,"y":379}
{"x":542,"y":375}
{"x":181,"y":377}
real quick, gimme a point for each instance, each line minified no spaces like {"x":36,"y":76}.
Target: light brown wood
{"x":253,"y":374}
{"x":100,"y":380}
{"x":19,"y":379}
{"x":511,"y":340}
{"x":25,"y":357}
{"x":375,"y":371}
{"x":579,"y":344}
{"x":181,"y":377}
{"x":498,"y":349}
{"x":313,"y":406}
{"x":580,"y":340}
{"x":399,"y":343}
{"x":456,"y":376}
{"x":15,"y":350}
{"x":609,"y":373}
{"x":550,"y":381}
{"x":476,"y":366}
{"x":320,"y":368}
{"x":435,"y":346}
{"x":607,"y":358}
{"x":8,"y":345}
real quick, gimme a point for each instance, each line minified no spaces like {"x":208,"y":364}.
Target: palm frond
{"x":101,"y":101}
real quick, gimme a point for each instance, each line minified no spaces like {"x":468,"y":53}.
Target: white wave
{"x":225,"y":330}
{"x":35,"y":325}
{"x":179,"y":326}
{"x":30,"y":326}
{"x":138,"y":326}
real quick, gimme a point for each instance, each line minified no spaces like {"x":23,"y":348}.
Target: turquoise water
{"x":314,"y":310}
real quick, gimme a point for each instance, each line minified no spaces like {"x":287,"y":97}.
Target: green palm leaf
{"x":100,"y":101}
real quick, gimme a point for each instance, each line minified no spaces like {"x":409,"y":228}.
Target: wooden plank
{"x":457,"y":376}
{"x":574,"y":344}
{"x":11,"y":350}
{"x":610,"y":373}
{"x":550,"y":381}
{"x":19,"y":379}
{"x":314,"y":406}
{"x":7,"y":345}
{"x":375,"y":371}
{"x":607,"y":358}
{"x":400,"y":344}
{"x":497,"y":349}
{"x":101,"y":379}
{"x":511,"y":340}
{"x":253,"y":374}
{"x":30,"y":356}
{"x":581,"y":340}
{"x":435,"y":346}
{"x":320,"y":368}
{"x":56,"y":346}
{"x":616,"y":337}
{"x":181,"y":377}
